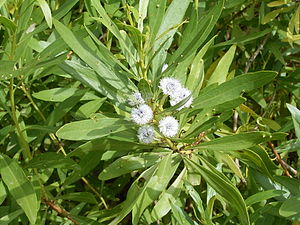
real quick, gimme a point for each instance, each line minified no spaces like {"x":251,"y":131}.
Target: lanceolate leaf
{"x":87,"y":55}
{"x":220,"y":74}
{"x":163,"y":206}
{"x":170,"y":23}
{"x":239,"y":141}
{"x":222,"y":186}
{"x":156,"y":185}
{"x":137,"y":189}
{"x":232,"y":89}
{"x":261,"y":196}
{"x":19,"y":187}
{"x":129,"y":163}
{"x":296,"y":118}
{"x":92,"y":129}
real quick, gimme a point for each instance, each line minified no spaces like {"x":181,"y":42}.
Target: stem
{"x":23,"y":142}
{"x":32,"y":102}
{"x":60,"y":210}
{"x":170,"y":143}
{"x":278,"y":158}
{"x":255,"y":54}
{"x":95,"y":191}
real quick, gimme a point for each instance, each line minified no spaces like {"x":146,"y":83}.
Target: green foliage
{"x":71,"y":150}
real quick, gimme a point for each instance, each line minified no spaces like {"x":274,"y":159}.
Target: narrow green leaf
{"x":83,"y":168}
{"x":7,"y":23}
{"x":156,"y":185}
{"x":222,"y":186}
{"x":129,"y":163}
{"x":3,"y":193}
{"x":88,"y":77}
{"x":261,"y":196}
{"x":88,"y":109}
{"x":103,"y":145}
{"x":181,"y":216}
{"x":197,"y":32}
{"x":143,"y":6}
{"x":86,"y":54}
{"x":79,"y":197}
{"x":232,"y":89}
{"x":63,"y":108}
{"x":105,"y":19}
{"x":196,"y":76}
{"x":46,"y":11}
{"x":220,"y":73}
{"x":92,"y":129}
{"x":9,"y":218}
{"x":19,"y":187}
{"x":172,"y":19}
{"x":135,"y":191}
{"x":61,"y":94}
{"x":196,"y":198}
{"x":245,"y":39}
{"x":296,"y":118}
{"x":51,"y":160}
{"x":162,"y":207}
{"x":239,"y":141}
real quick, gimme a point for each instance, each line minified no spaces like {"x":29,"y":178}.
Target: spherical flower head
{"x":146,"y":134}
{"x":169,"y":85}
{"x":142,"y":114}
{"x":136,"y":99}
{"x":168,"y":126}
{"x":180,"y":95}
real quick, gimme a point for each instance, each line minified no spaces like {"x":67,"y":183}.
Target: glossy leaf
{"x":261,"y":196}
{"x":232,"y":89}
{"x":85,"y":129}
{"x":222,"y":186}
{"x":129,"y":163}
{"x":19,"y":187}
{"x":239,"y":141}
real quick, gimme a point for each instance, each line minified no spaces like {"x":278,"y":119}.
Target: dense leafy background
{"x":69,"y":152}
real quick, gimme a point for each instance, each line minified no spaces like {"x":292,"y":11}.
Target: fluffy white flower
{"x":168,"y":126}
{"x":180,"y":95}
{"x":136,"y":99}
{"x":142,"y":114}
{"x":169,"y":85}
{"x":146,"y":134}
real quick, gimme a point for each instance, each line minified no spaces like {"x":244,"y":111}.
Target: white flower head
{"x":136,"y":99}
{"x":169,"y":85}
{"x":146,"y":134}
{"x":142,"y":114}
{"x":168,"y":126}
{"x":180,"y":95}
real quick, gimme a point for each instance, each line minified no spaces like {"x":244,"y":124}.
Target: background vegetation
{"x":69,"y":150}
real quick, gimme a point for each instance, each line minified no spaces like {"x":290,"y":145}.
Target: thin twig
{"x":294,"y":171}
{"x":60,"y":211}
{"x":199,"y":139}
{"x":253,"y":57}
{"x":278,"y":158}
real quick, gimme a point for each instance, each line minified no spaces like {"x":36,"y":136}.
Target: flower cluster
{"x":172,"y":87}
{"x":142,"y":115}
